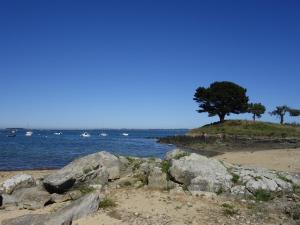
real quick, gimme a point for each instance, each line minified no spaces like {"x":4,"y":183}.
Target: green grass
{"x":263,"y":195}
{"x":282,"y":177}
{"x":248,"y":128}
{"x":229,"y":210}
{"x":235,"y":178}
{"x":165,"y":166}
{"x":296,"y":188}
{"x":107,"y":203}
{"x":84,"y":189}
{"x":182,"y":154}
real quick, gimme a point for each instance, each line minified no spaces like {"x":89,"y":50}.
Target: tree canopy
{"x":221,"y":99}
{"x":256,"y":109}
{"x":280,"y":111}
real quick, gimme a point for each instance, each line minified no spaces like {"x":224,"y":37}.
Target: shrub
{"x":180,"y":155}
{"x":229,"y":210}
{"x":165,"y":166}
{"x":263,"y":195}
{"x":107,"y":203}
{"x":235,"y":178}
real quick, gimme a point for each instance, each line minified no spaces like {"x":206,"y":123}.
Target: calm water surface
{"x":46,"y":150}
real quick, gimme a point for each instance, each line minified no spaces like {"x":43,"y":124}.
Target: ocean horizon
{"x":47,"y":150}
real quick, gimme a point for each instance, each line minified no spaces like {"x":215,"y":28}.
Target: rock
{"x":96,"y":168}
{"x":175,"y":153}
{"x":29,"y":219}
{"x":58,"y":198}
{"x":1,"y":200}
{"x":263,"y":183}
{"x":84,"y":206}
{"x":17,"y":182}
{"x":209,"y":184}
{"x":200,"y":173}
{"x":255,"y":179}
{"x":28,"y":198}
{"x":157,"y":179}
{"x":240,"y":191}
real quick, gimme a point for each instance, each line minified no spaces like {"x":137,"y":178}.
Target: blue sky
{"x":136,"y":64}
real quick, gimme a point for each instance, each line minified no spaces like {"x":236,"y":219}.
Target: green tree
{"x":256,"y":109}
{"x":294,"y":112}
{"x":281,"y":111}
{"x":221,"y":99}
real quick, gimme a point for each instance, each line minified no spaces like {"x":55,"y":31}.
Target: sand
{"x":142,"y":206}
{"x":279,"y":159}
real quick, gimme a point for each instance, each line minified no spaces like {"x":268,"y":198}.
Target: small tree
{"x":280,"y":112}
{"x":294,"y":112}
{"x":256,"y":109}
{"x":221,"y":99}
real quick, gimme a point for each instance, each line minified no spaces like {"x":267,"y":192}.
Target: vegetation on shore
{"x":249,"y":129}
{"x":233,"y":135}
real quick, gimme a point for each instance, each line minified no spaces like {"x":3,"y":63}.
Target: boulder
{"x":17,"y":182}
{"x":255,"y":179}
{"x":174,"y":154}
{"x":157,"y":179}
{"x":84,"y":206}
{"x":96,"y":168}
{"x":27,"y":198}
{"x":200,"y":173}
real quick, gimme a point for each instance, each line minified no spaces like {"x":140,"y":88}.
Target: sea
{"x":47,"y":150}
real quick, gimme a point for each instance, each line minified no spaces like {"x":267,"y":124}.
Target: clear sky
{"x":136,"y":64}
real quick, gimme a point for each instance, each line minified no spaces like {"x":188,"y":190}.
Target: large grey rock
{"x":27,"y":198}
{"x":84,"y":206}
{"x":30,"y":219}
{"x":157,"y":179}
{"x":17,"y":182}
{"x":95,"y":168}
{"x":200,"y":173}
{"x":175,"y":154}
{"x":255,"y":179}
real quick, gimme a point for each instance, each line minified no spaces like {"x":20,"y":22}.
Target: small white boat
{"x":85,"y":134}
{"x":58,"y":133}
{"x":125,"y":134}
{"x":103,"y":134}
{"x":28,"y":133}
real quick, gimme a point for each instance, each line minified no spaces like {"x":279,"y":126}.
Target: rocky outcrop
{"x":199,"y":173}
{"x":27,"y":198}
{"x":180,"y":171}
{"x":17,"y":182}
{"x":96,"y":168}
{"x":255,"y":179}
{"x":82,"y":207}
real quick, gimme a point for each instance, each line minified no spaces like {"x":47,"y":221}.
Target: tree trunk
{"x":222,"y":117}
{"x":254,"y":117}
{"x":281,"y":119}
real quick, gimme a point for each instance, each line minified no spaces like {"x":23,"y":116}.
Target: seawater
{"x":44,"y":149}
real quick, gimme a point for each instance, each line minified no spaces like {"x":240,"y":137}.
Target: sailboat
{"x":85,"y":134}
{"x":28,"y":133}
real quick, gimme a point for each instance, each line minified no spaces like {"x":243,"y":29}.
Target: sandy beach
{"x":141,"y":206}
{"x":280,"y":159}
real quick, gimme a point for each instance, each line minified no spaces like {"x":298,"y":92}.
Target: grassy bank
{"x":248,"y":129}
{"x":237,"y":135}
